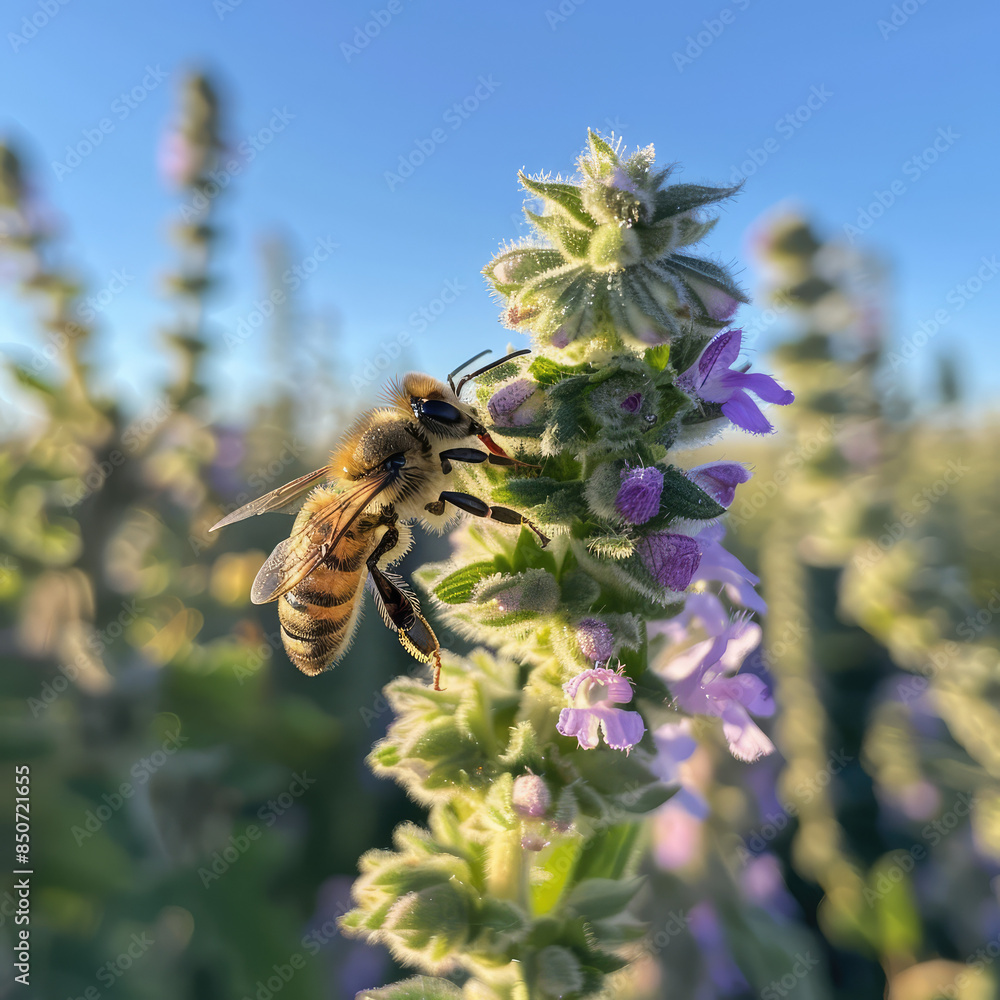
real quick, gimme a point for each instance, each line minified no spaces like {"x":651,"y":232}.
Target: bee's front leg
{"x":472,"y":455}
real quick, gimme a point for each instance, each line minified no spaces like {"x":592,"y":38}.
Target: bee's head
{"x":432,"y":404}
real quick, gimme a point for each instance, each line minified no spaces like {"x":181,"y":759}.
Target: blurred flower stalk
{"x":552,"y":742}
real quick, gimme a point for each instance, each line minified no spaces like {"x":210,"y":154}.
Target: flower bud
{"x":516,"y":404}
{"x":631,"y":404}
{"x":531,"y":796}
{"x":639,"y":497}
{"x":595,"y":640}
{"x":718,"y":303}
{"x":719,"y":479}
{"x":671,"y":559}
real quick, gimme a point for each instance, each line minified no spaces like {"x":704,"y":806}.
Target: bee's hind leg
{"x":401,"y":612}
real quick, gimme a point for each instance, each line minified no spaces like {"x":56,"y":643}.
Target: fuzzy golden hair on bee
{"x":420,"y":386}
{"x":394,"y":394}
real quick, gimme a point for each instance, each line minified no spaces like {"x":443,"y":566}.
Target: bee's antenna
{"x":451,"y":377}
{"x":485,"y":368}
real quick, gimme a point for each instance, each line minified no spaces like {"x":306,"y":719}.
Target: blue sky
{"x":531,"y":77}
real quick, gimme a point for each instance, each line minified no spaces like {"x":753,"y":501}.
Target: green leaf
{"x":682,"y":498}
{"x":683,"y":197}
{"x":456,"y":588}
{"x":657,"y":357}
{"x":568,"y":237}
{"x":558,"y":867}
{"x":563,"y":196}
{"x":669,"y":401}
{"x":549,"y":499}
{"x":646,"y":800}
{"x":417,"y":988}
{"x":548,"y":372}
{"x":597,"y":898}
{"x":704,"y":269}
{"x":520,"y":265}
{"x":601,"y":150}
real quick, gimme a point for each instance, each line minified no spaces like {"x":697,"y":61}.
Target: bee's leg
{"x":400,"y":612}
{"x":480,"y":508}
{"x":471,"y":455}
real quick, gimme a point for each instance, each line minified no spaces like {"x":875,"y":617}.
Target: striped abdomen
{"x":319,"y":616}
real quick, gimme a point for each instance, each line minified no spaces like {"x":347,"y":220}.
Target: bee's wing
{"x":298,"y":555}
{"x":278,"y":499}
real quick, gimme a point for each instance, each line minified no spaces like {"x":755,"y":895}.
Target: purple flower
{"x":596,"y":641}
{"x":671,"y":559}
{"x":712,"y":379}
{"x":595,"y":692}
{"x":719,"y":566}
{"x":631,"y":404}
{"x":639,"y":495}
{"x":703,"y":680}
{"x":702,"y":606}
{"x":674,"y":745}
{"x":719,"y":479}
{"x":706,"y":928}
{"x":516,"y":404}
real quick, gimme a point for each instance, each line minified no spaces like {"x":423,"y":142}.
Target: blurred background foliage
{"x":190,"y":786}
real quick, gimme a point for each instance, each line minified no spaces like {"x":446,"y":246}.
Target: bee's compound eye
{"x":438,"y":409}
{"x":394,"y":462}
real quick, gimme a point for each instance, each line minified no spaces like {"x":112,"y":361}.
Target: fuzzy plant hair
{"x":551,"y":741}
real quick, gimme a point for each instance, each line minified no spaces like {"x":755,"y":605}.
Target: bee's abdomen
{"x":318,"y":618}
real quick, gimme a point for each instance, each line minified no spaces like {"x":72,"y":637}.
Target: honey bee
{"x":390,"y":469}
